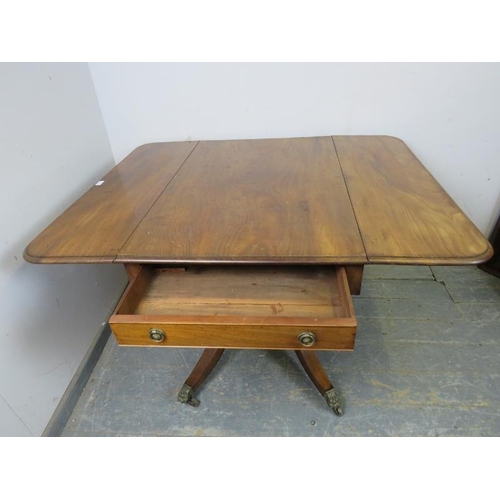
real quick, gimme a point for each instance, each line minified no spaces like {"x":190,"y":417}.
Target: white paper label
{"x":99,"y":183}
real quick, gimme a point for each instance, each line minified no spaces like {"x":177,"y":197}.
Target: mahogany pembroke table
{"x":257,"y":244}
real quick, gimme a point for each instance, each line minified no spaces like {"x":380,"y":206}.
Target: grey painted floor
{"x":426,"y":363}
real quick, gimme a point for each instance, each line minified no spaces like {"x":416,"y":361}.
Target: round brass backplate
{"x":307,"y":339}
{"x":156,"y":335}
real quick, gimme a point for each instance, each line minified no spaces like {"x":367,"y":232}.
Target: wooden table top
{"x":321,"y":200}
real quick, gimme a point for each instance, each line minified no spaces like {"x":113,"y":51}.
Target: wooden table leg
{"x":314,"y":369}
{"x":203,"y":367}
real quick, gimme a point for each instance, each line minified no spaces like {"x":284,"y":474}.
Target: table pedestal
{"x":308,"y":359}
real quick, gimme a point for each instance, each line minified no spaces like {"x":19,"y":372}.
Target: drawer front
{"x":234,"y":336}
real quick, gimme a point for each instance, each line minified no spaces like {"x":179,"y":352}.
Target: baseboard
{"x":61,"y":415}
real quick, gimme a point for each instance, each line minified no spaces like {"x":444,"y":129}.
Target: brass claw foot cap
{"x":186,"y":396}
{"x":334,"y":402}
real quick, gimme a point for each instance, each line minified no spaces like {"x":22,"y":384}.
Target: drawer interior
{"x":240,"y":307}
{"x":319,"y":292}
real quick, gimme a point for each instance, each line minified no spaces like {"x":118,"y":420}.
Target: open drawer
{"x":242,"y":307}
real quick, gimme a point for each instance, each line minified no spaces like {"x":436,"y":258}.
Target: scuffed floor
{"x":426,"y":363}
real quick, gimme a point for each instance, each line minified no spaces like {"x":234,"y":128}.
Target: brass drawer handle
{"x":157,"y":335}
{"x":307,"y":339}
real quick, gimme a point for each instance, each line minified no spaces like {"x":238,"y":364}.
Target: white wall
{"x":53,"y":147}
{"x":448,"y":114}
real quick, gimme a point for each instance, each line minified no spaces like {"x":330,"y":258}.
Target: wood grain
{"x":355,"y":278}
{"x":227,"y":336}
{"x":262,"y":201}
{"x":95,"y":227}
{"x":315,"y":371}
{"x":266,"y":201}
{"x":132,"y":270}
{"x":404,"y":215}
{"x":207,"y":362}
{"x":285,"y":291}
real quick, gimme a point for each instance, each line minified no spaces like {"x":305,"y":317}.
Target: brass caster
{"x":334,"y":402}
{"x":186,"y":396}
